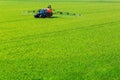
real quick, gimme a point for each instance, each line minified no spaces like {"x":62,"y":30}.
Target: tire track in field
{"x":102,"y":11}
{"x":41,"y":36}
{"x":15,"y":20}
{"x":49,"y":34}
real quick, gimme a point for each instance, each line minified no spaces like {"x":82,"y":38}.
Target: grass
{"x":63,"y":47}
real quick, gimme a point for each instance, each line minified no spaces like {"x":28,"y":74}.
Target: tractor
{"x":45,"y":12}
{"x":49,"y":12}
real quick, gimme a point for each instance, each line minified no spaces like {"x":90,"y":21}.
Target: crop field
{"x":63,"y":47}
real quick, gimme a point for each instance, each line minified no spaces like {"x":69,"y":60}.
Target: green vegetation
{"x":85,"y":47}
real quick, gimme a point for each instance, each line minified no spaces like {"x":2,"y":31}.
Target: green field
{"x":85,"y":47}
